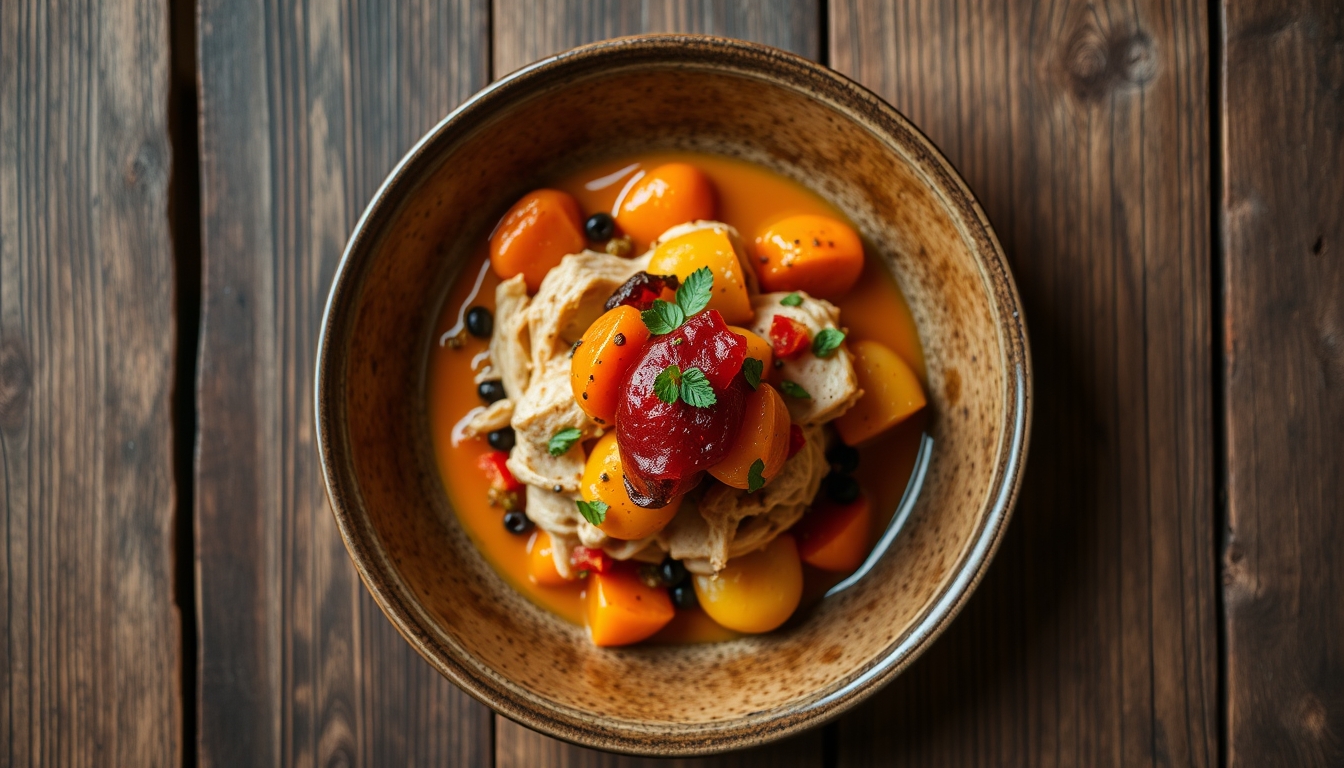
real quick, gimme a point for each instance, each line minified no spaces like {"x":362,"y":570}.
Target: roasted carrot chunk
{"x":836,"y":537}
{"x":666,"y":196}
{"x":623,"y":610}
{"x":604,"y":481}
{"x":541,"y":561}
{"x":809,"y":253}
{"x":607,"y":350}
{"x":764,"y":437}
{"x":537,"y":232}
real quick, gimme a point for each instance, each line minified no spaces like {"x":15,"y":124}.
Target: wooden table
{"x":176,"y":184}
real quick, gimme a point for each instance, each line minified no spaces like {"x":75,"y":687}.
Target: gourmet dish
{"x":672,"y":400}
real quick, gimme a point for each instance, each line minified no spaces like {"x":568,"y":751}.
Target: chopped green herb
{"x":563,"y":440}
{"x":751,"y":371}
{"x":756,"y":476}
{"x":827,"y":342}
{"x":663,"y":317}
{"x":667,"y":385}
{"x":696,"y":390}
{"x":792,"y":300}
{"x":695,"y":290}
{"x":793,"y":390}
{"x":594,"y":512}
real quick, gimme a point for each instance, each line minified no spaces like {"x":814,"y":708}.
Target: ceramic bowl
{"x":689,"y":93}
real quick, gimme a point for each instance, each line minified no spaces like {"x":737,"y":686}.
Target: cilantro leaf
{"x":594,"y":512}
{"x":751,"y":370}
{"x":668,"y":384}
{"x":792,"y":300}
{"x":756,"y":476}
{"x":563,"y":440}
{"x":696,"y":390}
{"x":793,"y":390}
{"x":695,"y":290}
{"x":827,"y":341}
{"x":663,"y":317}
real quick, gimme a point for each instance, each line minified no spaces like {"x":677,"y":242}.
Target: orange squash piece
{"x":764,"y":436}
{"x":666,"y":196}
{"x":891,"y":392}
{"x":836,"y":537}
{"x":541,"y":561}
{"x":757,"y":591}
{"x":711,"y":248}
{"x":538,"y":231}
{"x":809,"y":253}
{"x":604,"y":480}
{"x":623,"y":610}
{"x":757,"y":347}
{"x":607,"y":350}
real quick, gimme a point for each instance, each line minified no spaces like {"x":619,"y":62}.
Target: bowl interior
{"x":397,"y":518}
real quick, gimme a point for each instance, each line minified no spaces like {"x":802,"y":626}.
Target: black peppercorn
{"x":599,"y":227}
{"x":516,"y":522}
{"x":491,"y":391}
{"x":480,"y":322}
{"x":673,"y":572}
{"x":502,"y":439}
{"x":683,"y":596}
{"x":842,"y":458}
{"x":839,"y":488}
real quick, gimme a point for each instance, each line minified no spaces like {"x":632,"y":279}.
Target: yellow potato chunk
{"x":711,"y":248}
{"x":891,"y":393}
{"x":757,"y":591}
{"x":604,"y":480}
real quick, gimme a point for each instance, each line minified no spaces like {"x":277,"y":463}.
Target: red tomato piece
{"x":592,"y":560}
{"x":789,"y":337}
{"x":493,"y":465}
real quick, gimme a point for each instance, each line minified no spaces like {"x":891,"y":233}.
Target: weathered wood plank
{"x":1084,"y":129}
{"x":305,"y":107}
{"x":90,"y":634}
{"x":1283,"y":286}
{"x":527,"y":30}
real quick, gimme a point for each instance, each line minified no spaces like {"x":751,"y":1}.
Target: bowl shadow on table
{"x":981,"y":665}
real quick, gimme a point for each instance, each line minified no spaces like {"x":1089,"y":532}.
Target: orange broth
{"x":750,"y":198}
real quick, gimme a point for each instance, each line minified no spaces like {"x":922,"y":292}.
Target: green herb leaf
{"x":756,"y":476}
{"x":663,"y":317}
{"x":792,"y":300}
{"x":827,"y":341}
{"x":793,"y":390}
{"x":563,"y":440}
{"x":667,"y":385}
{"x":696,"y":390}
{"x":594,"y":512}
{"x":751,"y":370}
{"x":695,"y":290}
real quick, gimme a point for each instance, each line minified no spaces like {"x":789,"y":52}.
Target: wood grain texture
{"x":1283,"y":284}
{"x":1084,"y":129}
{"x":305,"y":107}
{"x":90,"y":634}
{"x":526,"y":30}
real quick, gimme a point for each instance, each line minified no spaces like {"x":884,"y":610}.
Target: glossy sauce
{"x":750,"y":198}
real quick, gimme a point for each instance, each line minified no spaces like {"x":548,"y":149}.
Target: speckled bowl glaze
{"x":702,"y":94}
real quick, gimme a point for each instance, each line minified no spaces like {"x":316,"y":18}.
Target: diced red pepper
{"x":796,"y":440}
{"x":593,"y":560}
{"x":789,"y":337}
{"x":493,"y":465}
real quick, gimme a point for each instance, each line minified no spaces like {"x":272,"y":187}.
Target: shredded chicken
{"x":497,"y":415}
{"x":728,"y":522}
{"x":829,"y":380}
{"x":508,"y":344}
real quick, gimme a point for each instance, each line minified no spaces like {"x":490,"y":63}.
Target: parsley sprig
{"x":594,"y":512}
{"x":827,"y":341}
{"x":563,"y":440}
{"x":752,"y":370}
{"x":693,"y":296}
{"x":690,"y":386}
{"x":756,"y":476}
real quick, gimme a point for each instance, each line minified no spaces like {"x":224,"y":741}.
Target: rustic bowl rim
{"x":816,"y":82}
